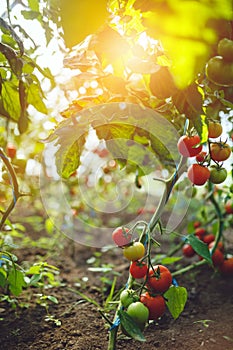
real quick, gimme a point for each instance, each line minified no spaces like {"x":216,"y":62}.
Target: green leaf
{"x":68,"y":160}
{"x":35,"y":97}
{"x":10,"y":99}
{"x":76,"y":14}
{"x":201,"y":127}
{"x":53,"y":299}
{"x":31,"y":14}
{"x":16,"y":282}
{"x":2,"y":278}
{"x":186,"y":31}
{"x":34,"y":5}
{"x":200,"y":247}
{"x":130,"y":327}
{"x":176,"y":300}
{"x":35,"y":278}
{"x":170,"y":260}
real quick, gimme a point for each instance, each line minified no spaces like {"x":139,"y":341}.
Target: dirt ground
{"x":205,"y":324}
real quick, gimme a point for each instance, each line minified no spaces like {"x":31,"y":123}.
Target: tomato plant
{"x":198,"y":174}
{"x":138,"y":269}
{"x":155,"y":304}
{"x":159,"y":279}
{"x":134,"y":252}
{"x":229,"y":207}
{"x":189,"y":146}
{"x":121,"y":236}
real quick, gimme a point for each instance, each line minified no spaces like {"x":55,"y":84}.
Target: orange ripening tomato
{"x":214,"y":129}
{"x":220,"y":151}
{"x":188,"y":145}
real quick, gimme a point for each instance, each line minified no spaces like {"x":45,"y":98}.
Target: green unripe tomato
{"x":220,"y":71}
{"x":127,"y":297}
{"x":139,"y":312}
{"x":217,"y":174}
{"x":225,"y":49}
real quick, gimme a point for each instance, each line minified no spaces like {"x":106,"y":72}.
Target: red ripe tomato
{"x":198,"y":174}
{"x":220,"y":151}
{"x":11,"y":150}
{"x":156,"y":305}
{"x":159,"y":279}
{"x":208,"y":238}
{"x":121,"y":236}
{"x":138,"y":269}
{"x":200,"y":232}
{"x":134,"y":252}
{"x":187,"y":145}
{"x":188,"y":250}
{"x":196,"y":224}
{"x":217,"y":257}
{"x":220,"y":245}
{"x":201,"y":157}
{"x":227,"y":267}
{"x":214,"y":129}
{"x":228,"y":207}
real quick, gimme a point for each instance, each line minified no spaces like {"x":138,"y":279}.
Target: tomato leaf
{"x":130,"y":327}
{"x":16,"y":281}
{"x":176,"y":300}
{"x":200,"y":247}
{"x":76,"y":14}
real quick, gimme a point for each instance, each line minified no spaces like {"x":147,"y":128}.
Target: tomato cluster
{"x":208,"y":165}
{"x":149,"y":304}
{"x":223,"y":264}
{"x":219,"y":69}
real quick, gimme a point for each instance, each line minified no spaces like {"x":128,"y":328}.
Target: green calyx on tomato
{"x":220,"y":71}
{"x":139,"y":312}
{"x":135,"y":251}
{"x":127,"y":297}
{"x":225,"y":49}
{"x":217,"y":174}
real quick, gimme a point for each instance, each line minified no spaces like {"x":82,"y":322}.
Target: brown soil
{"x":206,"y":323}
